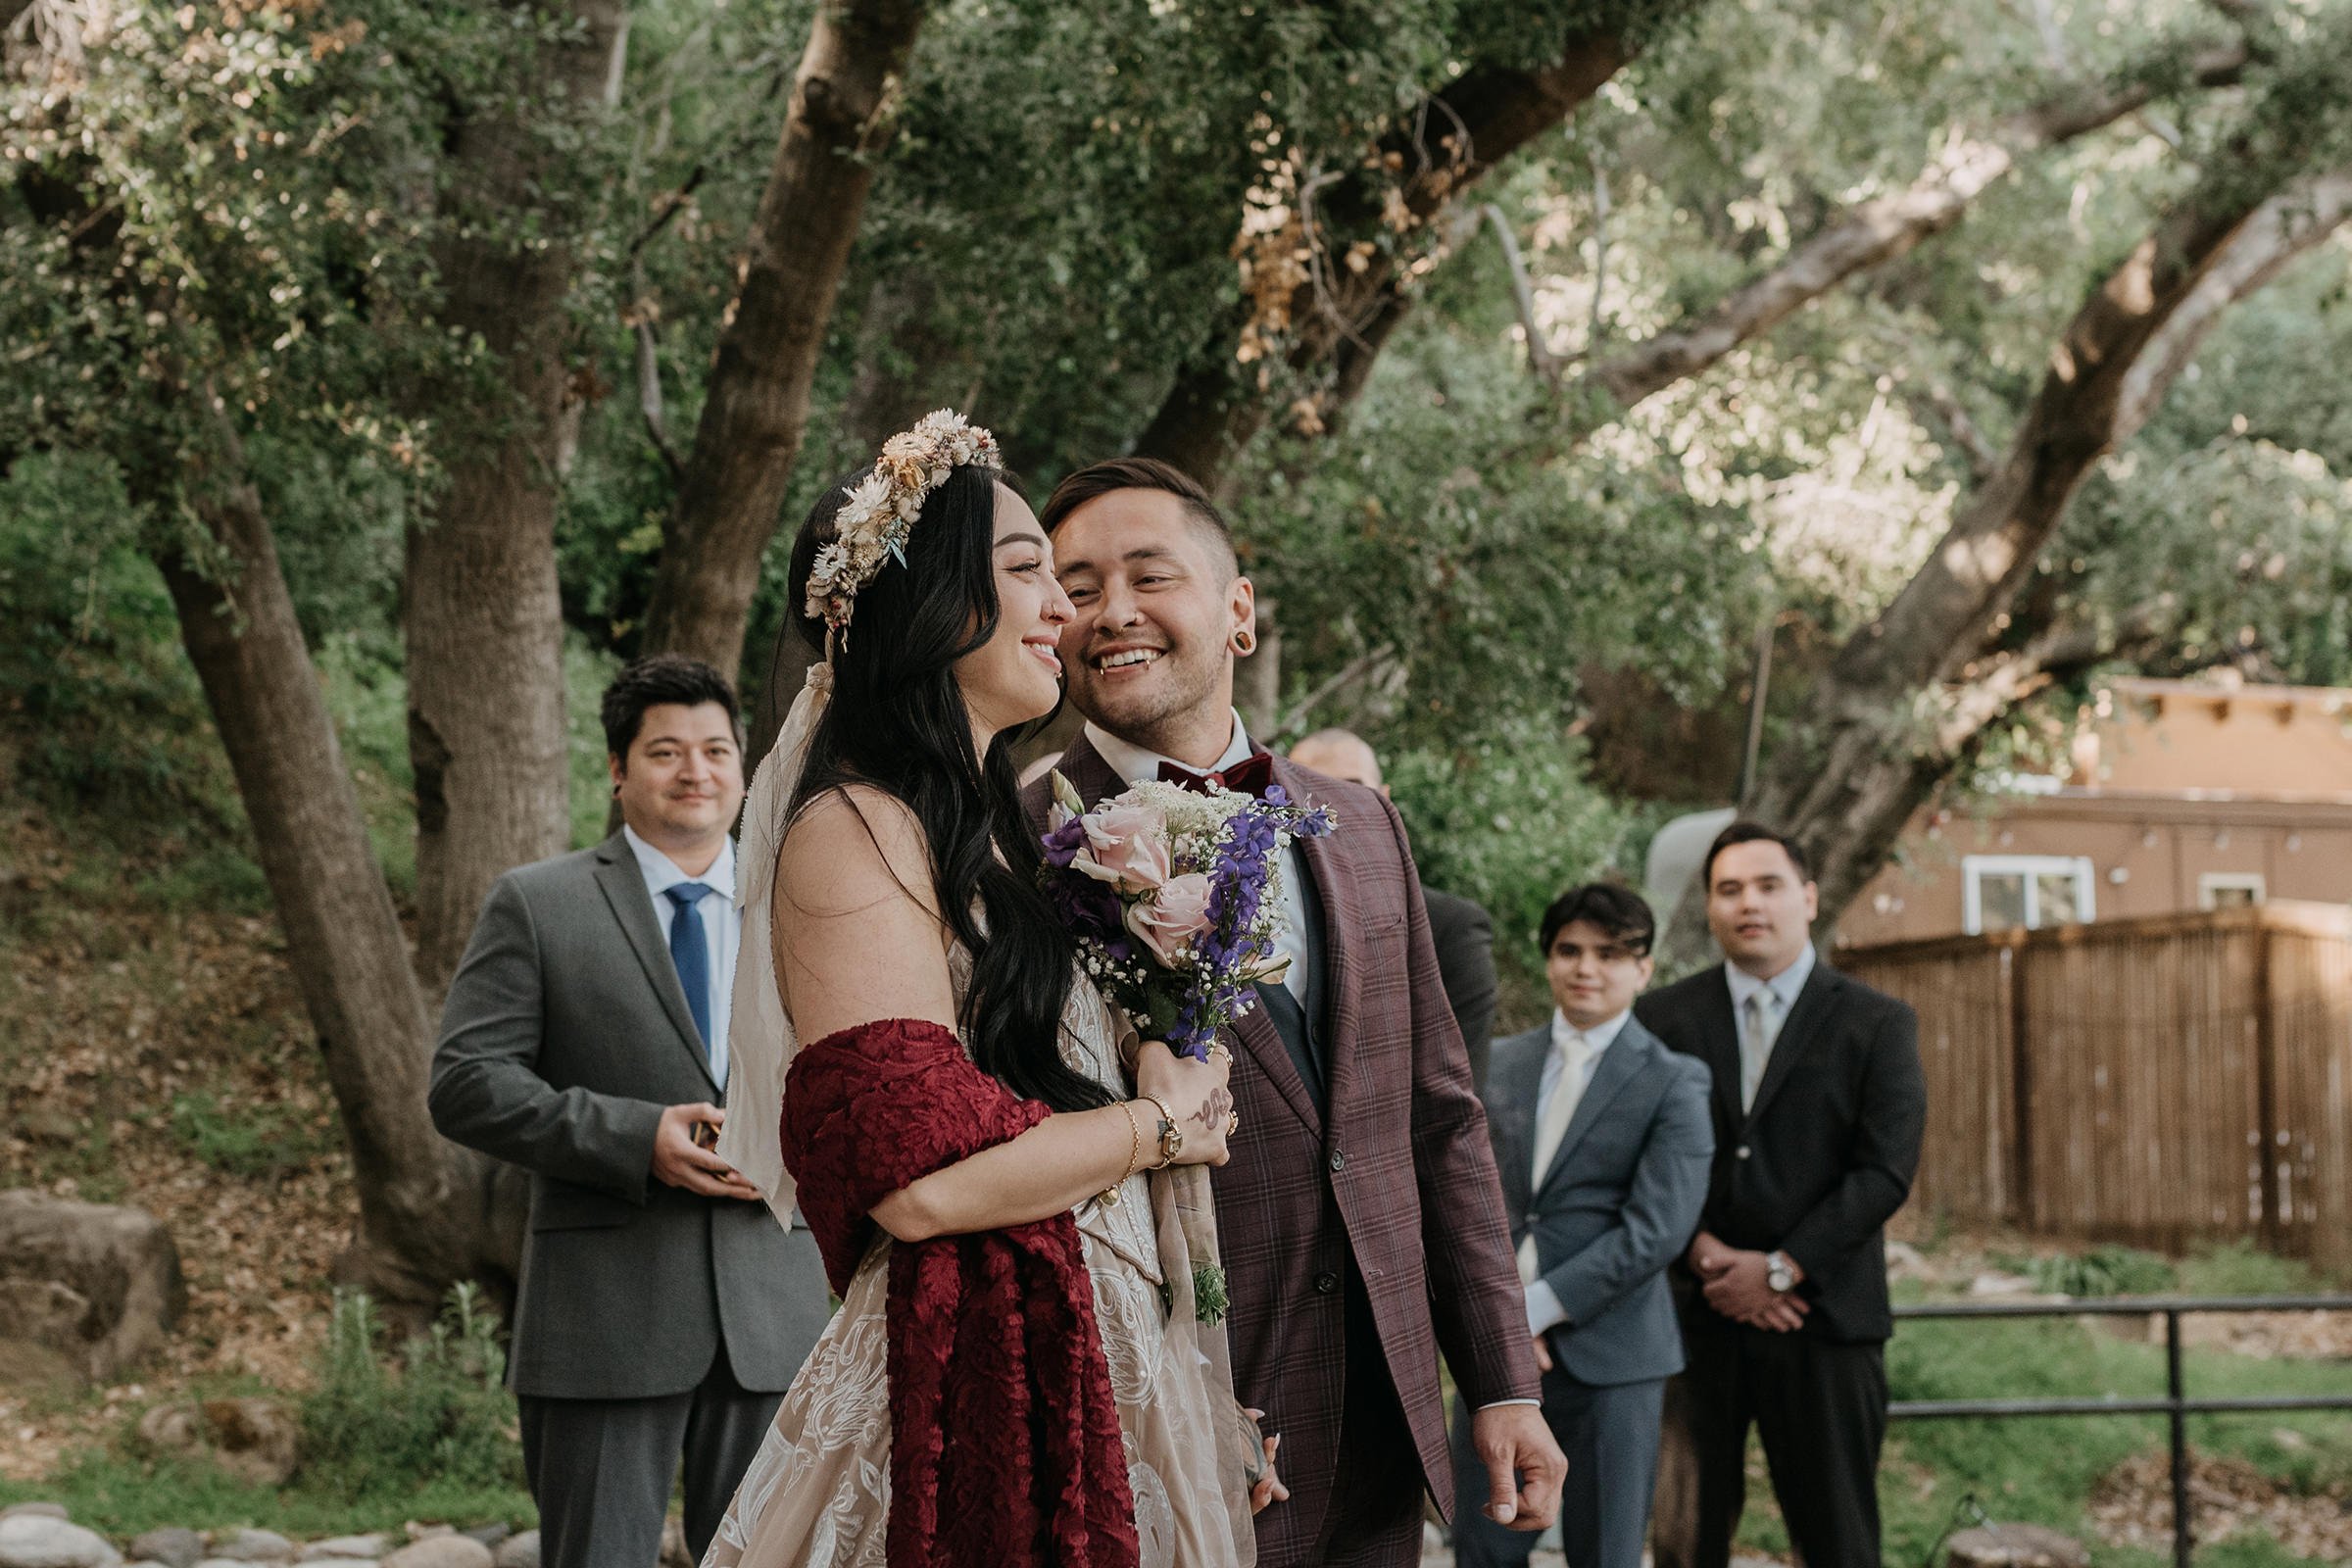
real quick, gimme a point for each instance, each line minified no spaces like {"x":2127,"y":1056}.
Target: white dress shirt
{"x":1780,"y":995}
{"x":1134,"y":764}
{"x":722,"y":927}
{"x":1582,"y":1050}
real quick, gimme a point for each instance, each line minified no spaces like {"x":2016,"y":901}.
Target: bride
{"x":981,"y":1147}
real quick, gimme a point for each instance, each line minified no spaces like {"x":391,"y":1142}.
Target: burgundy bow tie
{"x":1252,"y":775}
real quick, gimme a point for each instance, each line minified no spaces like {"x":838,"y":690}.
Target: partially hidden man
{"x":664,"y":1312}
{"x":1603,"y":1138}
{"x":1360,"y":1217}
{"x":1818,"y":1103}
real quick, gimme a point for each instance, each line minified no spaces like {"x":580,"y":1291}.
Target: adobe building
{"x":2181,"y":796}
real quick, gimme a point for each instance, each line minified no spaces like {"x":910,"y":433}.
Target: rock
{"x":518,"y":1551}
{"x":441,"y":1551}
{"x":100,"y":1285}
{"x":367,"y":1549}
{"x":2017,"y":1546}
{"x":1995,"y":1283}
{"x":254,"y":1438}
{"x":181,"y":1548}
{"x":488,"y":1534}
{"x":250,"y":1545}
{"x":44,"y":1540}
{"x":35,"y":1510}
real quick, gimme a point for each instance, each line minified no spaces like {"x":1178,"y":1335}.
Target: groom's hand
{"x":680,"y":1162}
{"x":1525,"y":1467}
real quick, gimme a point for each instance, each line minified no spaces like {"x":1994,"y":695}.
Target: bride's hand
{"x":1268,"y":1488}
{"x":1198,"y":1093}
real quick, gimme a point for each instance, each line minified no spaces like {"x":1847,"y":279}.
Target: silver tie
{"x":1760,"y":1023}
{"x":1558,"y":1112}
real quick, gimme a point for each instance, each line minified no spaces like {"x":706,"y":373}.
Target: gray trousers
{"x":1610,"y":1436}
{"x":601,"y":1470}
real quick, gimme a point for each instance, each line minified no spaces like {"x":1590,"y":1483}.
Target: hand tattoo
{"x":1213,"y":1110}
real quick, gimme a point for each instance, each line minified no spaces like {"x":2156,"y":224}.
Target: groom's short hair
{"x":1098,"y":480}
{"x":655,"y":681}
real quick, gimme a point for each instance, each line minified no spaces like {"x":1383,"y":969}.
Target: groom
{"x":1362,"y":1218}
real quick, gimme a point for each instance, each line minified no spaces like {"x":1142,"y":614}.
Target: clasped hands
{"x":1738,"y":1284}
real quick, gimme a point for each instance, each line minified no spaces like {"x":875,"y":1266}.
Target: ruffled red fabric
{"x":1017,"y":1457}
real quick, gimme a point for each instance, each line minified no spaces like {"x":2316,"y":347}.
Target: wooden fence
{"x":2150,"y":1081}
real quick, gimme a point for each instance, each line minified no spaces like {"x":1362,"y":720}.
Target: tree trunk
{"x":421,"y":1226}
{"x":1911,"y":694}
{"x":479,"y":592}
{"x":757,"y":402}
{"x":1340,"y":318}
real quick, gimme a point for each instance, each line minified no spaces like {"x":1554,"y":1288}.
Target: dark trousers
{"x":1610,"y":1436}
{"x":601,"y":1469}
{"x":1820,"y":1410}
{"x":1376,"y":1499}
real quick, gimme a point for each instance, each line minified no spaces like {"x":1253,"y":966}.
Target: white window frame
{"x":2213,"y":882}
{"x":1976,"y":867}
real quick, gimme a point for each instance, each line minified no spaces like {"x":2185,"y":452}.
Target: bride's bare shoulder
{"x":853,"y":846}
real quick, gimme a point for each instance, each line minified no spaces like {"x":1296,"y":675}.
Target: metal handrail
{"x":2176,"y":1406}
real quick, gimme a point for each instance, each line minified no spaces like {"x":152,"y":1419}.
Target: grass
{"x":423,"y":1430}
{"x":2043,"y":1471}
{"x":251,"y":1141}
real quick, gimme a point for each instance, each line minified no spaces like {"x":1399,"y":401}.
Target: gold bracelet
{"x":1135,"y":1154}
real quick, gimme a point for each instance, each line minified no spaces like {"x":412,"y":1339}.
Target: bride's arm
{"x":859,"y":938}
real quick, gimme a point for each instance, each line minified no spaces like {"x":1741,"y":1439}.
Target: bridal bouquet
{"x":1173,"y":895}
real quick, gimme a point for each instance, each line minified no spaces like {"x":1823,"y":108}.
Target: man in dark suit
{"x":1360,"y":1219}
{"x":663,"y":1309}
{"x":1603,"y":1141}
{"x":1818,"y":1103}
{"x":1463,"y":934}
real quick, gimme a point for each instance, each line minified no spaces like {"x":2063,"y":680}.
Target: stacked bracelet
{"x":1135,"y":1154}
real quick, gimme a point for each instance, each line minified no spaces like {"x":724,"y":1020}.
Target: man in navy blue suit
{"x":1603,"y":1142}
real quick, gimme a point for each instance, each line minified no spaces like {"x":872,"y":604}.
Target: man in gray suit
{"x":1603,"y":1142}
{"x":662,"y":1309}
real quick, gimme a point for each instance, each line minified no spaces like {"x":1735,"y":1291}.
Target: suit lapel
{"x":1796,"y":1034}
{"x":1516,"y":1078}
{"x":1096,"y":781}
{"x":1720,"y":1031}
{"x":623,"y":887}
{"x":1332,"y":863}
{"x":1615,"y":1069}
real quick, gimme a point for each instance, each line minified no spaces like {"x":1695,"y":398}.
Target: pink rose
{"x":1126,"y":846}
{"x":1167,"y":920}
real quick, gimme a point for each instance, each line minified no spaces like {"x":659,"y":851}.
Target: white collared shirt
{"x":1134,"y":764}
{"x":722,"y":927}
{"x":1783,"y":989}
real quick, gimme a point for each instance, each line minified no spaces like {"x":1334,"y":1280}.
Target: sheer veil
{"x":759,"y":1035}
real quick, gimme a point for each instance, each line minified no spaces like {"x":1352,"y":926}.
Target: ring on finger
{"x":1220,"y":1052}
{"x":1233,"y":1122}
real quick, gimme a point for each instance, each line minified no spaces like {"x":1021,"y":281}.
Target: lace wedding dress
{"x":818,"y":1492}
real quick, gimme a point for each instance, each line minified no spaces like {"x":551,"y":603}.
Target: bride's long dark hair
{"x":898,"y":723}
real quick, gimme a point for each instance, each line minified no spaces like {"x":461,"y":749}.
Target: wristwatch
{"x":1171,"y":1136}
{"x":1780,"y":1273}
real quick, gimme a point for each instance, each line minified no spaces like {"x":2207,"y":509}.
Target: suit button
{"x":1339,"y":1162}
{"x":1740,"y":1152}
{"x":1325,"y":1283}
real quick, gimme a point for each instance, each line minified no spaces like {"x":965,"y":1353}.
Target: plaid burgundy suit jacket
{"x":1401,"y":1172}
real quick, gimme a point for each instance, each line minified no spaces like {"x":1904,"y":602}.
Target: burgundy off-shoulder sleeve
{"x":1004,"y":1440}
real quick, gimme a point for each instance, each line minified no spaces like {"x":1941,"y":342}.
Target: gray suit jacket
{"x":565,"y":1037}
{"x":1619,"y":1202}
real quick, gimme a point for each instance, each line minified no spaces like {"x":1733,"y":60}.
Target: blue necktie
{"x":690,"y":952}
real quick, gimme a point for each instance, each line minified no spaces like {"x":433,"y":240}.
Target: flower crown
{"x":872,"y":526}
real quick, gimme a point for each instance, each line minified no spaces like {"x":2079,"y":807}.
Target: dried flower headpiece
{"x":874,"y":525}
